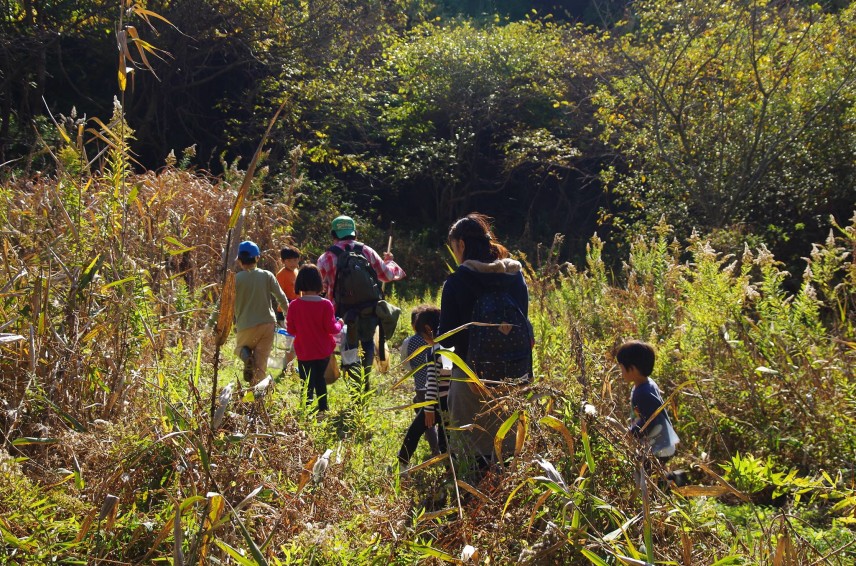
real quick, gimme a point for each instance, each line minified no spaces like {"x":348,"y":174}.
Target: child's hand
{"x":430,"y":419}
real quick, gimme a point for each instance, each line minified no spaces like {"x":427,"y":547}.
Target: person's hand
{"x":387,"y":257}
{"x":430,"y":418}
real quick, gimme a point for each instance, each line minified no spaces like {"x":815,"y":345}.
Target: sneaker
{"x":247,"y":356}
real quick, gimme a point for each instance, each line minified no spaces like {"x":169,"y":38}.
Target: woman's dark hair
{"x":308,"y":279}
{"x":427,"y":317}
{"x":637,"y":354}
{"x":474,"y":231}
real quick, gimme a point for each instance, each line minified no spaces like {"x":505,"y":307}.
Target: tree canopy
{"x":726,"y":118}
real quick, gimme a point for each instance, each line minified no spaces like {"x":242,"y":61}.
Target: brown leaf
{"x":437,"y":514}
{"x":306,"y":473}
{"x":701,"y":490}
{"x":470,"y":489}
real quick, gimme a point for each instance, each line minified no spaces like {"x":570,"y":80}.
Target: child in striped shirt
{"x":429,"y":385}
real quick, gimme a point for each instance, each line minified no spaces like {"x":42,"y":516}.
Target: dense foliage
{"x":731,"y":118}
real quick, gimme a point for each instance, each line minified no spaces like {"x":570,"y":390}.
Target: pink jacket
{"x":313,"y":323}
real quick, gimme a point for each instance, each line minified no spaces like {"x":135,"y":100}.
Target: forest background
{"x":735,"y":120}
{"x":710,"y":148}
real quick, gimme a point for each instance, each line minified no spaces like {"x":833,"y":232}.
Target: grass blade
{"x":236,"y":556}
{"x":593,"y":558}
{"x":430,"y":462}
{"x":502,"y":432}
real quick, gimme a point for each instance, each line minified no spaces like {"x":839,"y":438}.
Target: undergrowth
{"x":111,"y":454}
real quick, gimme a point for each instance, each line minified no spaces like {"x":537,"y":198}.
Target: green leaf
{"x":733,"y":559}
{"x":116,"y":283}
{"x":236,"y":555}
{"x":430,"y":551}
{"x":179,"y":247}
{"x":27,"y":440}
{"x":593,"y":558}
{"x":254,"y":549}
{"x":502,"y":432}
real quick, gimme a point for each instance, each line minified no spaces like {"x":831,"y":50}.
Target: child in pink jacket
{"x":312,"y":321}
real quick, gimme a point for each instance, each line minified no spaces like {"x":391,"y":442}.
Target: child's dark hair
{"x":308,"y":279}
{"x":415,"y":313}
{"x":479,"y":244}
{"x":247,"y":259}
{"x":287,"y":252}
{"x":637,"y":354}
{"x":427,"y":317}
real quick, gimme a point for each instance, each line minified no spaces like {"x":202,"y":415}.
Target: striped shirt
{"x":437,"y":386}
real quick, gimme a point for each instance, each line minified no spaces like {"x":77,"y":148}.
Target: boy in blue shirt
{"x":636,"y":361}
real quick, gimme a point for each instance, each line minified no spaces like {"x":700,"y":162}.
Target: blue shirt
{"x":659,"y":434}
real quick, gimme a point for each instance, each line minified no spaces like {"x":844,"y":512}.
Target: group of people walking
{"x":310,"y":307}
{"x":316,"y":301}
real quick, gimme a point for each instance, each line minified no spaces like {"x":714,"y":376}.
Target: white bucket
{"x":350,"y":357}
{"x":283,"y":344}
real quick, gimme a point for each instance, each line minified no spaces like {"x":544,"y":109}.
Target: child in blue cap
{"x":255,"y":321}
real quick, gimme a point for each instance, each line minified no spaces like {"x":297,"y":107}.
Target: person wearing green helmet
{"x":351,"y":273}
{"x":255,"y":321}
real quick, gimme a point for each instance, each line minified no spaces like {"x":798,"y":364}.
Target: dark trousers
{"x":312,"y":373}
{"x":361,"y":331}
{"x":361,"y":372}
{"x":436,"y":436}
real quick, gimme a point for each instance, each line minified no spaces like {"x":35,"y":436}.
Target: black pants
{"x":418,"y":429}
{"x":361,"y":330}
{"x":312,"y":373}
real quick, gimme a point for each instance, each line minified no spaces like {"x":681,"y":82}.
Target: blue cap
{"x":248,"y":249}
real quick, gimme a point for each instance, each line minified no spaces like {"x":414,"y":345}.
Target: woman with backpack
{"x":488,"y":287}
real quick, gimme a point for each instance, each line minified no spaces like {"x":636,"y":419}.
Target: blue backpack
{"x":502,"y":352}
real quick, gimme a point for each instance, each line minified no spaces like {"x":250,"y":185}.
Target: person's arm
{"x":403,"y":349}
{"x":520,"y":294}
{"x":291,"y":320}
{"x":333,"y":325}
{"x":327,"y":270}
{"x":386,"y":269}
{"x":450,"y":316}
{"x":646,"y":403}
{"x":276,"y":291}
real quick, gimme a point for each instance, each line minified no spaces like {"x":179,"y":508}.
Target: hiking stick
{"x":383,"y":364}
{"x":388,"y":250}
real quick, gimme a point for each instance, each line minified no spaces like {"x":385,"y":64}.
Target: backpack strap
{"x":337,"y":253}
{"x":356,"y":310}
